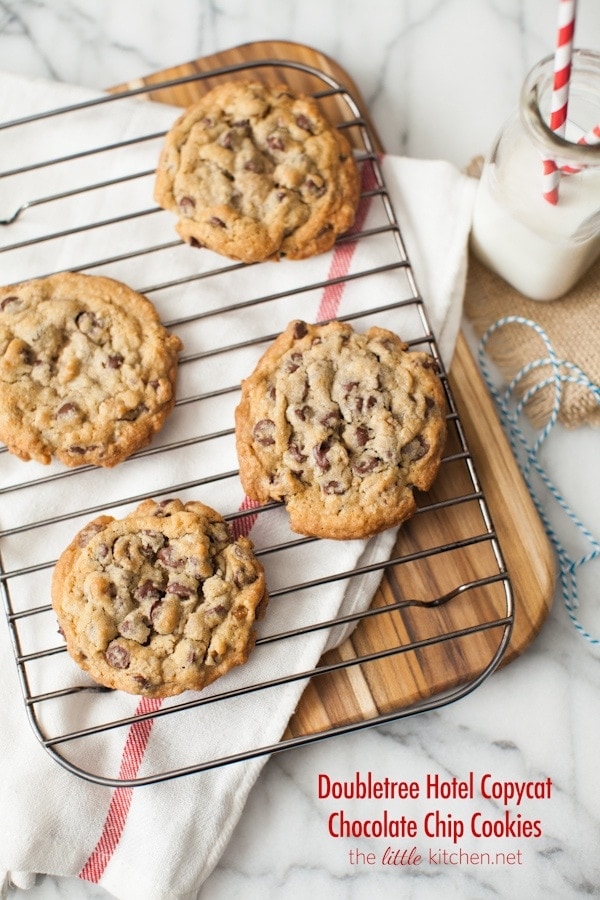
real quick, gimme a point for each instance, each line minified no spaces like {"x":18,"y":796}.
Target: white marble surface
{"x":439,"y":77}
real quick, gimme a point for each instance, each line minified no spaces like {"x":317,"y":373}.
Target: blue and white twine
{"x":527,"y":454}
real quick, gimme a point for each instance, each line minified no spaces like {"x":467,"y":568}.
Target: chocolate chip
{"x":28,"y":356}
{"x":7,"y":302}
{"x":300,"y":329}
{"x":416,"y":449}
{"x":325,"y":230}
{"x":66,"y":411}
{"x":187,"y":203}
{"x":264,"y":432}
{"x":334,"y":487}
{"x":89,"y":532}
{"x":117,"y":655}
{"x":132,"y":414}
{"x":296,"y":454}
{"x":218,"y":223}
{"x":180,"y":590}
{"x":256,"y":163}
{"x":88,"y":324}
{"x":293,"y":363}
{"x":242,"y":577}
{"x":330,"y":419}
{"x":365,"y":465}
{"x":320,"y":455}
{"x":275,"y":143}
{"x":148,"y":590}
{"x":303,"y":412}
{"x":218,"y":610}
{"x":361,"y":435}
{"x":317,"y":190}
{"x":169,"y":558}
{"x":115,"y":361}
{"x":365,"y":404}
{"x":151,"y":543}
{"x":304,"y":122}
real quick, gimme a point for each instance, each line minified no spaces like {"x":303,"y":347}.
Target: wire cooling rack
{"x":441,"y":618}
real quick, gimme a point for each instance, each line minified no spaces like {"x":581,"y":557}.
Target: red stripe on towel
{"x":120,"y":801}
{"x":344,"y":252}
{"x":241,"y":527}
{"x":139,"y":733}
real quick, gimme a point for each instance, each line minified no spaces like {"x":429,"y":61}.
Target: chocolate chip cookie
{"x":257,"y":173}
{"x":87,"y":371}
{"x":342,"y":427}
{"x":160,"y":602}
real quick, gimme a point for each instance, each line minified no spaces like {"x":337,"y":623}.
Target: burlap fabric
{"x":571,"y":323}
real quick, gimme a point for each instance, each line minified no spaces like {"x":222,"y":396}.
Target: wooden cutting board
{"x":385,"y":683}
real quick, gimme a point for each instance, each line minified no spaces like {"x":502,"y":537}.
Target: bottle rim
{"x":539,"y":80}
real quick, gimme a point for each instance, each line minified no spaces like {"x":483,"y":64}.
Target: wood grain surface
{"x":388,"y":678}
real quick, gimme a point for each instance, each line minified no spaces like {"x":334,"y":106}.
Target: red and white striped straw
{"x":560,"y":90}
{"x":592,"y":137}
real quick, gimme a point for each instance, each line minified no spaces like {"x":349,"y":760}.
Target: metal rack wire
{"x":214,"y":305}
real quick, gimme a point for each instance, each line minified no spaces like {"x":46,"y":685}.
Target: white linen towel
{"x":162,"y":840}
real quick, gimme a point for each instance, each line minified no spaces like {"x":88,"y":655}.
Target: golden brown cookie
{"x":256,"y":173}
{"x":342,"y":427}
{"x":87,"y":371}
{"x":160,"y":602}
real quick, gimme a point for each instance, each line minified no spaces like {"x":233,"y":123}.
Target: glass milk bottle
{"x":540,"y":248}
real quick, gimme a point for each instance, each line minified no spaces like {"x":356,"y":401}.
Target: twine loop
{"x":527,"y":453}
